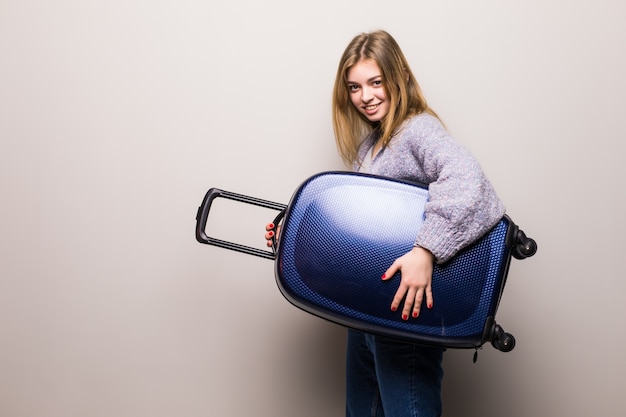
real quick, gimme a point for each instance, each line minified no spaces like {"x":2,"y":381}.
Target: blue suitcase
{"x":342,"y":230}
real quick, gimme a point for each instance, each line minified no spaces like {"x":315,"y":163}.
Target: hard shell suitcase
{"x":342,"y":230}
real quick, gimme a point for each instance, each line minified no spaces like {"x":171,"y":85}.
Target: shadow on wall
{"x":325,"y":344}
{"x":478,"y":389}
{"x":316,"y":361}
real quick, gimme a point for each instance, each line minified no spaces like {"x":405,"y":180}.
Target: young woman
{"x":384,"y":126}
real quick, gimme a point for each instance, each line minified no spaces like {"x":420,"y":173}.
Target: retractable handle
{"x":203,"y":215}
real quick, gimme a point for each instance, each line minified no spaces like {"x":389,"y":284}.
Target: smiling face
{"x":367,"y":93}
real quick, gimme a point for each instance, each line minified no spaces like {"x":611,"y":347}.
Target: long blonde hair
{"x":401,"y":88}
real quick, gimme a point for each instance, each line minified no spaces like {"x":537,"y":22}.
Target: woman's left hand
{"x":416,"y":271}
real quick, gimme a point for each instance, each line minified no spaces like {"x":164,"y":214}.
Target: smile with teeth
{"x":371,"y":106}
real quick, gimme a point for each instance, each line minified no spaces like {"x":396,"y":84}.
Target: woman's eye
{"x":353,"y":87}
{"x":378,"y":83}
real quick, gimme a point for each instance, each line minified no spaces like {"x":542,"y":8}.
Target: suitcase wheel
{"x":524,"y":246}
{"x":503,"y":341}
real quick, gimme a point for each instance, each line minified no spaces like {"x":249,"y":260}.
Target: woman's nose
{"x":366,"y":95}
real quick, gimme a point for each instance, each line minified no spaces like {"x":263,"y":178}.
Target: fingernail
{"x":415,"y":314}
{"x":271,"y":225}
{"x":384,"y":276}
{"x":405,"y":317}
{"x":270,"y":233}
{"x":430,"y":305}
{"x":394,"y":308}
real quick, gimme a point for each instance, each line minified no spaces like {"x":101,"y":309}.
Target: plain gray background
{"x":117,"y":116}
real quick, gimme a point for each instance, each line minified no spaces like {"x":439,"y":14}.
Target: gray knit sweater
{"x":462,"y":203}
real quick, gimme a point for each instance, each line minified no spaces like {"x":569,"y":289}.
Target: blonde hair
{"x":401,"y":88}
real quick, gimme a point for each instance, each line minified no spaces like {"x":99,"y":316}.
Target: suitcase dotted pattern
{"x":341,"y":232}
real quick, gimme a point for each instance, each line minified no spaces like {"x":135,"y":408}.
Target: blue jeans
{"x":386,"y":377}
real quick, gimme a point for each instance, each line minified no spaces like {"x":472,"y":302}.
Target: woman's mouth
{"x":371,"y":107}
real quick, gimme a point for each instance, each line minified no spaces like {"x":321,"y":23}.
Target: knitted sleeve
{"x":463,"y":204}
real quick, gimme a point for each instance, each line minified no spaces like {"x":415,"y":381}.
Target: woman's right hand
{"x":271,"y":230}
{"x":416,"y":275}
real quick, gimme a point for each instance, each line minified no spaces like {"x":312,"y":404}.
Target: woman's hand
{"x":269,"y":229}
{"x":416,"y":270}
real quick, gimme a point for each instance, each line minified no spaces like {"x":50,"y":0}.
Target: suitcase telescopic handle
{"x":203,"y":215}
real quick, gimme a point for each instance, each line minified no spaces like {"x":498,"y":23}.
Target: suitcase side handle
{"x":203,"y":215}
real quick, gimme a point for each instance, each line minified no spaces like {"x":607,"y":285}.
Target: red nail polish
{"x":405,"y":317}
{"x":384,"y":276}
{"x":394,"y":308}
{"x":270,"y":233}
{"x":415,"y":314}
{"x":430,"y":305}
{"x":271,"y":225}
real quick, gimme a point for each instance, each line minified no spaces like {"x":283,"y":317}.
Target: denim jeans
{"x":387,"y":377}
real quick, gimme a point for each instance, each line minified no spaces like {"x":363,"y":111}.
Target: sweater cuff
{"x":439,"y":238}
